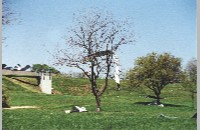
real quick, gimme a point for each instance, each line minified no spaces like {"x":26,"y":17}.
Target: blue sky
{"x":159,"y":26}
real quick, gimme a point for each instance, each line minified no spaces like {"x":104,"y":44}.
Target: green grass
{"x":122,"y":110}
{"x":50,"y":120}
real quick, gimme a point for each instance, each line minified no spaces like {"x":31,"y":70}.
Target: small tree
{"x":44,"y":67}
{"x":190,"y":81}
{"x":191,"y":70}
{"x":91,"y":44}
{"x":155,"y":72}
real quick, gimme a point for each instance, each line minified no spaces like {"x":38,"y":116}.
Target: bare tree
{"x":6,"y":13}
{"x":91,"y":44}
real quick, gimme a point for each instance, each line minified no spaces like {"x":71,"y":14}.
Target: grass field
{"x":124,"y":110}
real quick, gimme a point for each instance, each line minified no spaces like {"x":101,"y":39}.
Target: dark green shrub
{"x":5,"y":97}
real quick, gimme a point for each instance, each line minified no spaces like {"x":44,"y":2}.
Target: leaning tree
{"x":155,"y":71}
{"x":91,"y":44}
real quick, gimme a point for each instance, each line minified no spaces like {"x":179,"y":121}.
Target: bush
{"x":5,"y":97}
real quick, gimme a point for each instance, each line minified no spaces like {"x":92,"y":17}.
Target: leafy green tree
{"x":44,"y":67}
{"x":155,"y":71}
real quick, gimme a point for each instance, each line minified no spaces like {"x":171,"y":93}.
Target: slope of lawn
{"x":121,"y":110}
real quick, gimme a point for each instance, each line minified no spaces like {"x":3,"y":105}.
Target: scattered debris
{"x":79,"y":109}
{"x":161,"y":105}
{"x":67,"y":111}
{"x":153,"y":103}
{"x":76,"y":109}
{"x":162,"y":115}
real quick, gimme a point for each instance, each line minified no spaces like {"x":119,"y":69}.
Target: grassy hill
{"x":123,"y":109}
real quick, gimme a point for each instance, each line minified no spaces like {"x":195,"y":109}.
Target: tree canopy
{"x":155,"y":71}
{"x":44,"y":67}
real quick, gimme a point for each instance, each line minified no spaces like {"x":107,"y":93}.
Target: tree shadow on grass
{"x":165,"y":104}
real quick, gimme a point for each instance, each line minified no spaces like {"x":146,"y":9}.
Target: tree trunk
{"x":97,"y":96}
{"x":94,"y":88}
{"x":158,"y":98}
{"x":98,"y":105}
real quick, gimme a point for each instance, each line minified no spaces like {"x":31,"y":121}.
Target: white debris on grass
{"x":67,"y":111}
{"x":161,"y":105}
{"x":80,"y":109}
{"x":162,"y":115}
{"x":76,"y":109}
{"x":155,"y":103}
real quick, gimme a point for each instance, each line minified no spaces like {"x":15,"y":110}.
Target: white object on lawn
{"x":67,"y":111}
{"x":81,"y":109}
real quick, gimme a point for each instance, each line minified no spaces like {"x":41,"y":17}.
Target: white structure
{"x":46,"y":83}
{"x":117,"y":69}
{"x":17,"y":67}
{"x":44,"y":79}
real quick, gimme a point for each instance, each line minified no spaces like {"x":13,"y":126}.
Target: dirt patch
{"x":20,"y":107}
